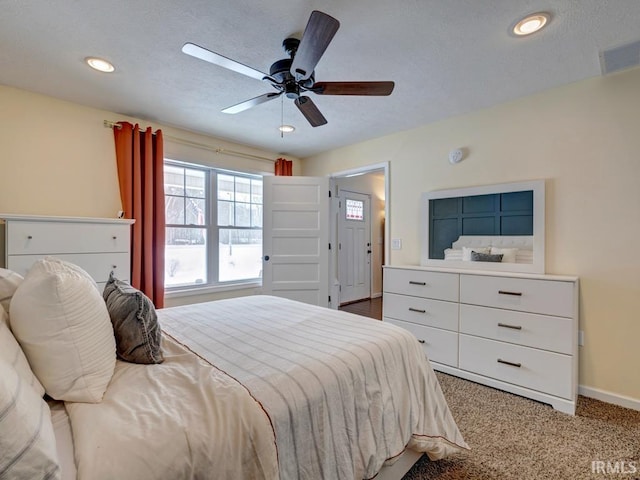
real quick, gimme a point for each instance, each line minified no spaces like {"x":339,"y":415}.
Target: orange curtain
{"x":140,"y":159}
{"x":284,"y":167}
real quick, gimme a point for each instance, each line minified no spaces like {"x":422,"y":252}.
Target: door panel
{"x":354,"y":244}
{"x":296,"y":238}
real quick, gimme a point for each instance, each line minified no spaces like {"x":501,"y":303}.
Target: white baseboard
{"x":376,"y":295}
{"x":609,"y":397}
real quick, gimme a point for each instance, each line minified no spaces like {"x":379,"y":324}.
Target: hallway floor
{"x":371,"y":307}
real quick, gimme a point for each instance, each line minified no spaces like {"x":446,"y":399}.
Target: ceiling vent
{"x":620,"y":58}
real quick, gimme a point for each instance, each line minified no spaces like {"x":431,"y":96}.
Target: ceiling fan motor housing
{"x":281,"y":71}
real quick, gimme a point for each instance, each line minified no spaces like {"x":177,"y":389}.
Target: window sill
{"x":178,"y":292}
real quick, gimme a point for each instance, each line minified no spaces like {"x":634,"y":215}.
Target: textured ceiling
{"x":446,"y":57}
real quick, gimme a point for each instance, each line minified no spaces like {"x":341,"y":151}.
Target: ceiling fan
{"x":295,"y":76}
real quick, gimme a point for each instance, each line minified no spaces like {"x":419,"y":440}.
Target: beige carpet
{"x":515,"y":438}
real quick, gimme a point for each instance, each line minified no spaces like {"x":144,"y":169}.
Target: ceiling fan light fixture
{"x":100,"y":64}
{"x":287,"y":128}
{"x":531,"y":24}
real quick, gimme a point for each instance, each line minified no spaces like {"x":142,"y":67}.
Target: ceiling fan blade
{"x":317,"y":35}
{"x":310,"y":111}
{"x":353,"y":88}
{"x":246,"y":105}
{"x":222,"y":61}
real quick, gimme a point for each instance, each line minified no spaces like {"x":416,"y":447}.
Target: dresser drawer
{"x":440,"y":345}
{"x":528,"y":295}
{"x":529,"y":329}
{"x":419,"y":283}
{"x":539,"y":370}
{"x":32,"y":238}
{"x":98,"y":265}
{"x":424,"y":311}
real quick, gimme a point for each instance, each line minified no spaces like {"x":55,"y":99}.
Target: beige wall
{"x":57,"y":158}
{"x":584,"y":139}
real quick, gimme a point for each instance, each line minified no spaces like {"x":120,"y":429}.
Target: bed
{"x":256,"y":387}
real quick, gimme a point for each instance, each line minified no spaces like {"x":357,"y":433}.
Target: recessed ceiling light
{"x":99,"y":64}
{"x":531,"y":24}
{"x":286,"y":128}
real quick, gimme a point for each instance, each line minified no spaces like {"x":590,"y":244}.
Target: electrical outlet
{"x":396,"y":244}
{"x":581,"y":338}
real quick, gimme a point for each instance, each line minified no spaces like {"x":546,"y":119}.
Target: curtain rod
{"x":234,"y":153}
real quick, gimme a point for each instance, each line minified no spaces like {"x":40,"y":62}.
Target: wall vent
{"x":620,"y":58}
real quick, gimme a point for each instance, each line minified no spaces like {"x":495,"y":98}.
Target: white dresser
{"x":98,"y":245}
{"x":516,"y":332}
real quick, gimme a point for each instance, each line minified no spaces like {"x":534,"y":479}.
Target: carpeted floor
{"x":515,"y":438}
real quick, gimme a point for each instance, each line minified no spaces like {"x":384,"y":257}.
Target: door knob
{"x":368,"y":251}
{"x":266,"y":258}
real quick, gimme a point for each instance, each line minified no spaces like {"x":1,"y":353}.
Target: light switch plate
{"x":396,"y":244}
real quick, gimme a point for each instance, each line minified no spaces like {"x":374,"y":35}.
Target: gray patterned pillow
{"x":135,"y":323}
{"x":486,"y":257}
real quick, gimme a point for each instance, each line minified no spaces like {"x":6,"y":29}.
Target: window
{"x":354,"y":210}
{"x":214,"y":226}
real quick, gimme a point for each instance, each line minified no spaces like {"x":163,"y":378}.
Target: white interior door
{"x":295,"y":240}
{"x":354,"y":246}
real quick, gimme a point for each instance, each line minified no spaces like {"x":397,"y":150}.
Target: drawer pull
{"x":506,"y":292}
{"x":114,"y":267}
{"x":411,"y":309}
{"x":115,"y":238}
{"x":413,"y":282}
{"x":29,"y":237}
{"x":506,"y":362}
{"x":421,"y":341}
{"x":513,"y":327}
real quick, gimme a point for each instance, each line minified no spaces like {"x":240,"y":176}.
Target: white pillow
{"x":453,"y":254}
{"x":11,"y":353}
{"x":508,"y":254}
{"x":524,"y":256}
{"x":63,"y":326}
{"x":466,"y":252}
{"x":9,"y":281}
{"x":27,"y":441}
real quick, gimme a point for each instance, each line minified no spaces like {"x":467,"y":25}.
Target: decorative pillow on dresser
{"x":62,"y":324}
{"x":466,"y":252}
{"x":453,"y":254}
{"x":135,"y":323}
{"x":509,"y":254}
{"x":27,"y":442}
{"x":485,"y":257}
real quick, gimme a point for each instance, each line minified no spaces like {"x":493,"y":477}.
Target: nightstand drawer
{"x":51,"y":238}
{"x":424,"y":311}
{"x":440,"y":345}
{"x":528,"y":329}
{"x":539,"y":370}
{"x":419,"y":283}
{"x":528,"y":295}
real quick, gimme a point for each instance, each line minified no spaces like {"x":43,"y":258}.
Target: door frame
{"x":333,"y":256}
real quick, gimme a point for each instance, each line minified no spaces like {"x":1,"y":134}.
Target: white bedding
{"x":64,"y":439}
{"x":343,"y":393}
{"x":181,"y":419}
